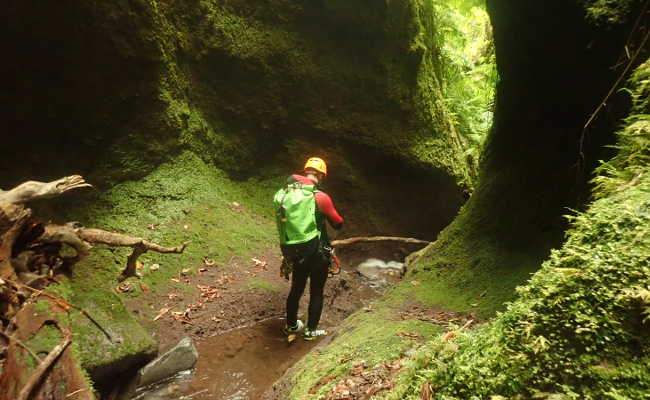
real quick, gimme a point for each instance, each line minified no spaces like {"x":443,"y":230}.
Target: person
{"x":302,"y":209}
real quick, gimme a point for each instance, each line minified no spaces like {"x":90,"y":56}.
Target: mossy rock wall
{"x":113,"y":89}
{"x":538,"y":157}
{"x":578,"y":328}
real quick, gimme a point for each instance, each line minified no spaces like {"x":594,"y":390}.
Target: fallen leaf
{"x":369,"y":308}
{"x":143,"y":287}
{"x":448,"y":336}
{"x":172,"y":296}
{"x":408,"y":335}
{"x":202,"y":270}
{"x":162,"y":312}
{"x":259,"y":263}
{"x":235,"y":204}
{"x":119,"y":340}
{"x":139,"y":264}
{"x":178,"y":316}
{"x":208,"y":262}
{"x":175,"y":280}
{"x":186,"y":226}
{"x":186,"y":271}
{"x":154,"y":267}
{"x":321,"y":383}
{"x":415,"y":283}
{"x":474,"y":304}
{"x":124,"y":287}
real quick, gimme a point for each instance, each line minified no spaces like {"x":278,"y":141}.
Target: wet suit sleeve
{"x":326,"y":207}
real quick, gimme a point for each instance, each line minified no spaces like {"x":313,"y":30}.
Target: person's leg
{"x":317,"y":277}
{"x":298,"y":282}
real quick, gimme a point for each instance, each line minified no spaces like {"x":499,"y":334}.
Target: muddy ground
{"x":236,"y":314}
{"x":240,"y":294}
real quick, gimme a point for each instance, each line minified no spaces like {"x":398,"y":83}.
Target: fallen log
{"x":43,"y":366}
{"x":352,"y":240}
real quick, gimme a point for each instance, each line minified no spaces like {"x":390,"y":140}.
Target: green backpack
{"x":296,"y":213}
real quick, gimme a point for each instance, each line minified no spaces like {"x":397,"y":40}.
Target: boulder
{"x":181,"y":357}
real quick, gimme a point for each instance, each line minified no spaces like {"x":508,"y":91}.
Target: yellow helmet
{"x":318,"y":164}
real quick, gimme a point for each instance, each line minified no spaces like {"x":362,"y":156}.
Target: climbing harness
{"x":334,"y":262}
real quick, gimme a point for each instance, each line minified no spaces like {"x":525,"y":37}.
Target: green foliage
{"x":634,"y":141}
{"x":469,"y":69}
{"x":579,"y":329}
{"x":609,"y":11}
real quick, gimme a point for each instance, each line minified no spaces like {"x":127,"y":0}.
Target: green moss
{"x":610,"y":12}
{"x":263,"y":285}
{"x":579,"y":327}
{"x":371,"y":337}
{"x":42,"y":306}
{"x":184,"y":200}
{"x":48,"y":337}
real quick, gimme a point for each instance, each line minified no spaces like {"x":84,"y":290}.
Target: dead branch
{"x":21,"y":344}
{"x":139,"y":245}
{"x":33,"y":190}
{"x":43,"y":366}
{"x":13,"y":218}
{"x":631,"y":183}
{"x":81,"y":239}
{"x":65,"y":305}
{"x":66,"y":234}
{"x":353,"y":240}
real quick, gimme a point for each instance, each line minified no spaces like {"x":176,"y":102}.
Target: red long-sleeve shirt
{"x":323,"y":202}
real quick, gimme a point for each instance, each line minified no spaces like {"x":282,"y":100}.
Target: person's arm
{"x":326,"y":206}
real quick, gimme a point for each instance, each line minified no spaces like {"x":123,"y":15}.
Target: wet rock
{"x":181,"y":357}
{"x":372,"y":268}
{"x":380,"y":273}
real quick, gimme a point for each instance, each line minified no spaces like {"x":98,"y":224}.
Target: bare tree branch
{"x":43,"y":366}
{"x":352,"y":240}
{"x":33,"y":190}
